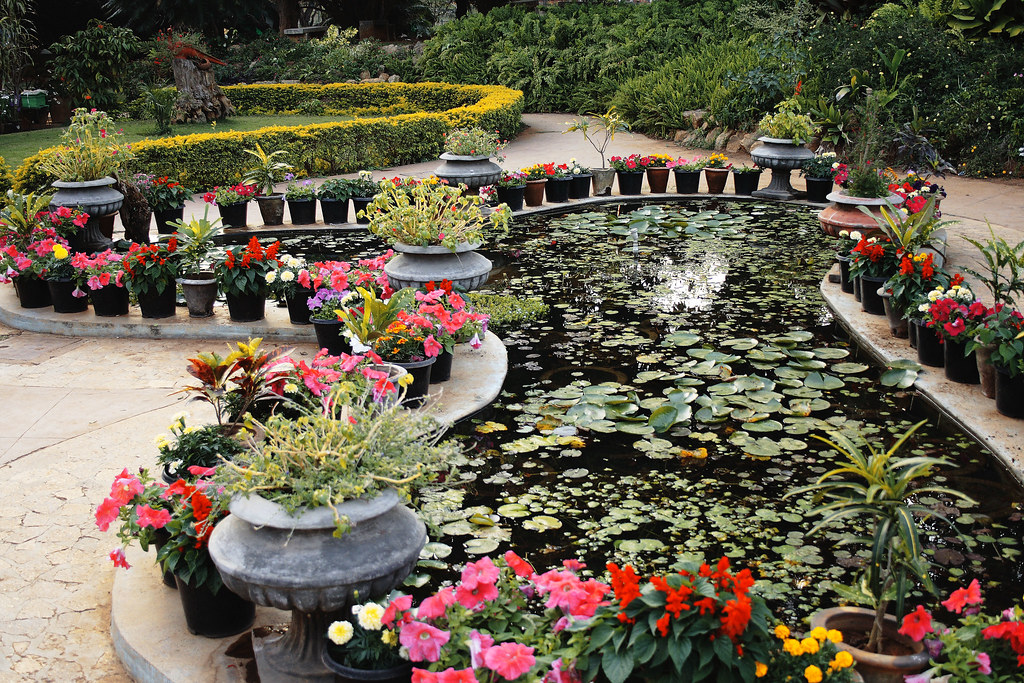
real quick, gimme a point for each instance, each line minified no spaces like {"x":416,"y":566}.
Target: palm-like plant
{"x":1005,"y":267}
{"x":195,"y":239}
{"x":268,"y":170}
{"x":909,"y":232}
{"x":18,"y":217}
{"x":875,"y":485}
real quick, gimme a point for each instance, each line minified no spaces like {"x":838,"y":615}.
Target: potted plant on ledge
{"x":301,"y":197}
{"x":874,"y":485}
{"x":600,"y":134}
{"x":629,"y":172}
{"x":232,"y":202}
{"x":511,"y":188}
{"x":436,"y":229}
{"x":310,"y":533}
{"x":819,"y":174}
{"x":781,"y":148}
{"x":334,"y":194}
{"x":244,"y":274}
{"x":198,"y":282}
{"x":267,"y":170}
{"x":167,"y":199}
{"x":467,"y":157}
{"x":151,"y":271}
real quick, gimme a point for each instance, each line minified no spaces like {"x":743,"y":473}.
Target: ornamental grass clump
{"x":431,"y":214}
{"x":355,"y":448}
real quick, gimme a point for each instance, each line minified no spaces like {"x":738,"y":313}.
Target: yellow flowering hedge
{"x":204,"y":160}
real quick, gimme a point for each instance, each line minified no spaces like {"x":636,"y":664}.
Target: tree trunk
{"x":287,"y":14}
{"x":200,"y":99}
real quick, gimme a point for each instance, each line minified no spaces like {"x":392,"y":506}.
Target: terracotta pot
{"x":843,"y":214}
{"x":716,"y":179}
{"x":657,"y":178}
{"x":874,"y":668}
{"x":535,"y":192}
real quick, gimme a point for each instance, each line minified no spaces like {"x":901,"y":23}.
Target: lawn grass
{"x":15,"y":147}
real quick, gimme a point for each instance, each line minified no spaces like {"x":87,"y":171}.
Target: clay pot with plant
{"x":874,"y":485}
{"x":599,"y":133}
{"x":267,"y":169}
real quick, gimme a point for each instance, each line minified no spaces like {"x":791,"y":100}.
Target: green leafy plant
{"x":353,"y":449}
{"x":475,"y":142}
{"x":243,"y":270}
{"x":1004,"y":273}
{"x":90,"y":149}
{"x":368,"y":322}
{"x":93,"y":65}
{"x":507,"y":312}
{"x":19,"y":217}
{"x":980,"y":18}
{"x":787,"y":123}
{"x":204,"y":446}
{"x":335,"y":188}
{"x":160,"y":102}
{"x":876,"y":486}
{"x":268,"y":169}
{"x":195,"y":239}
{"x":151,"y":268}
{"x":601,"y":132}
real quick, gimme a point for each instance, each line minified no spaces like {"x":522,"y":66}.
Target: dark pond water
{"x":668,"y":400}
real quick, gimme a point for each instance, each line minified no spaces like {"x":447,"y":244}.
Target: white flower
{"x":370,"y":616}
{"x":291,"y":388}
{"x":855,"y":235}
{"x":872,"y":240}
{"x":271,"y":276}
{"x":403,"y":652}
{"x":844,"y":233}
{"x":340,"y":632}
{"x":287,"y":276}
{"x":924,"y":308}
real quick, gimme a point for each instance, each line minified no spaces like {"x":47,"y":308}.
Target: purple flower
{"x":289,"y":176}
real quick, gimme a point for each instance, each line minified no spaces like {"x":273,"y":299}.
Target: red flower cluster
{"x":1010,"y":631}
{"x":254,"y":252}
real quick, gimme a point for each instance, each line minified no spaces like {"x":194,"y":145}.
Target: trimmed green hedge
{"x":205,"y":160}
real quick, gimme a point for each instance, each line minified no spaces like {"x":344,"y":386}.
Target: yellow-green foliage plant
{"x":6,"y":177}
{"x":204,"y":160}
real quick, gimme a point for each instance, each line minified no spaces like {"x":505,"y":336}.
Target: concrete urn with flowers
{"x":467,"y":158}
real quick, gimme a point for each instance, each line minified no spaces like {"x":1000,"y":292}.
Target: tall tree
{"x":210,"y":17}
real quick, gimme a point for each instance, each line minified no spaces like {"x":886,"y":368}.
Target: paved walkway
{"x":75,"y":411}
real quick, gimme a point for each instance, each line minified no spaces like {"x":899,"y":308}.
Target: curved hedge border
{"x":204,"y":160}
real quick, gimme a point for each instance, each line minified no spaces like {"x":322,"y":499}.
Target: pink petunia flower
{"x":479,"y":643}
{"x":125,"y":487}
{"x":510,"y":660}
{"x":157,"y":519}
{"x":984,"y":663}
{"x":475,"y":342}
{"x":471,"y":598}
{"x":482,"y":571}
{"x":962,"y":597}
{"x":117,"y":557}
{"x":423,"y":641}
{"x":431,"y":347}
{"x":434,"y":607}
{"x":400,"y":604}
{"x":106,"y":513}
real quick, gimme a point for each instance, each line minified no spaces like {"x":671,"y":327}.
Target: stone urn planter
{"x":843,"y":214}
{"x":295,"y":563}
{"x":472,"y":171}
{"x":416,"y":266}
{"x":95,"y":197}
{"x":782,"y":156}
{"x":200,"y":291}
{"x":874,"y":668}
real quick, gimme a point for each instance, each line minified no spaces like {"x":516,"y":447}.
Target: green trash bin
{"x":33,"y":99}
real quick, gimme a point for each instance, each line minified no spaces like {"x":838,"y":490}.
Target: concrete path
{"x":74,"y":411}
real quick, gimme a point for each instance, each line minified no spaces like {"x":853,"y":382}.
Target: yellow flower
{"x":843,"y":660}
{"x":819,"y":634}
{"x":812,"y":674}
{"x":59,"y":251}
{"x":781,"y":632}
{"x":792,"y":646}
{"x":760,"y":670}
{"x":835,"y":636}
{"x":340,"y":632}
{"x":389,"y":638}
{"x":809,"y":645}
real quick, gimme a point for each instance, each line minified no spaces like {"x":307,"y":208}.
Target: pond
{"x":669,"y":399}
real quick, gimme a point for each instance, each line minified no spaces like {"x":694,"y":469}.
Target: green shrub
{"x":6,"y":177}
{"x":573,"y":56}
{"x":93,"y":66}
{"x":204,"y":160}
{"x":655,"y":101}
{"x":508,"y":312}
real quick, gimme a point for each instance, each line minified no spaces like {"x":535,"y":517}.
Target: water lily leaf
{"x":649,"y":375}
{"x":682,"y":339}
{"x":459,"y":528}
{"x":481,"y":546}
{"x":828,"y":353}
{"x":488,"y":427}
{"x":762,"y":448}
{"x":765,"y":355}
{"x":849,"y":368}
{"x":634,"y":428}
{"x":743,"y":344}
{"x":416,"y":580}
{"x":640,"y":545}
{"x":514,"y":510}
{"x":663,"y":418}
{"x":818,"y":380}
{"x":542,"y":523}
{"x":902,"y":374}
{"x":763,"y":426}
{"x":435,"y":550}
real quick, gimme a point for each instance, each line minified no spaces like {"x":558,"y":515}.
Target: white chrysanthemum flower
{"x":403,"y":652}
{"x":844,"y":233}
{"x":340,"y":632}
{"x":287,"y":276}
{"x":924,"y":308}
{"x":855,"y":235}
{"x":271,"y":276}
{"x":370,"y":616}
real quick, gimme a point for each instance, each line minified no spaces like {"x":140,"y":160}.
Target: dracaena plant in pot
{"x":195,"y":239}
{"x":875,"y":488}
{"x":600,"y":133}
{"x":319,"y":502}
{"x":268,"y":168}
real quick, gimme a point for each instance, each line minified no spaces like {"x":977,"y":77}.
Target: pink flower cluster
{"x":122,"y":492}
{"x":422,"y":631}
{"x":101,"y":270}
{"x":324,"y":370}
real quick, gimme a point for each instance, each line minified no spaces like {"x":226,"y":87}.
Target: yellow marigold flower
{"x":760,"y":669}
{"x":813,"y":674}
{"x":809,"y":645}
{"x":389,"y":638}
{"x":781,"y":632}
{"x":819,"y":634}
{"x":370,"y":616}
{"x":792,"y":646}
{"x":843,"y":660}
{"x":340,"y":632}
{"x":835,"y":636}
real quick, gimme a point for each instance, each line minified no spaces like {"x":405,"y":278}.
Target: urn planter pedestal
{"x":843,"y":214}
{"x":416,"y":266}
{"x":782,"y":156}
{"x":472,"y":171}
{"x":95,"y":197}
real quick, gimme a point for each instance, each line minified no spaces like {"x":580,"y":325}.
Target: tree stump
{"x":200,"y":99}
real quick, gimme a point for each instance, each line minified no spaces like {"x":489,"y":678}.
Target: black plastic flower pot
{"x":234,"y":215}
{"x":302,"y":211}
{"x":630,"y":182}
{"x":416,"y":393}
{"x":745,"y":183}
{"x":579,"y":188}
{"x":687,"y":182}
{"x":557,"y":190}
{"x":164,"y":218}
{"x":246,"y":308}
{"x":62,"y":294}
{"x":870,"y":300}
{"x":298,"y":306}
{"x":818,"y":189}
{"x":335,"y":211}
{"x":32,"y":291}
{"x":845,"y":281}
{"x":329,"y":336}
{"x":161,"y":305}
{"x":358,"y":204}
{"x":513,"y":196}
{"x":929,"y":345}
{"x":109,"y":301}
{"x":960,"y":368}
{"x":442,"y":369}
{"x":214,"y":615}
{"x":1009,"y":393}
